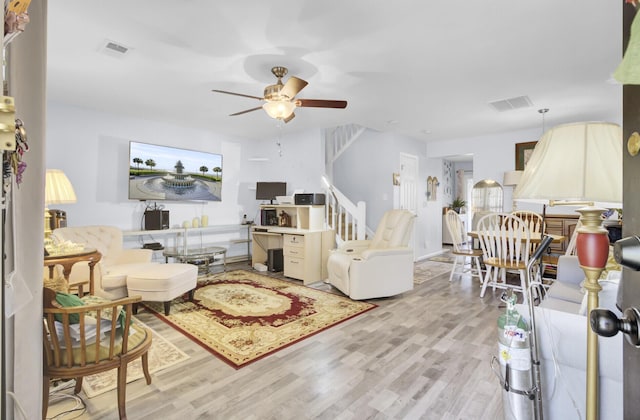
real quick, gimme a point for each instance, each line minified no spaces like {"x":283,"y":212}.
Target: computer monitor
{"x":270,"y":190}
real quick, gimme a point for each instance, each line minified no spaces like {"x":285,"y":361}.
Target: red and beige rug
{"x":242,"y":317}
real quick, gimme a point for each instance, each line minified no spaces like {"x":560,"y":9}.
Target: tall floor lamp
{"x":580,"y":164}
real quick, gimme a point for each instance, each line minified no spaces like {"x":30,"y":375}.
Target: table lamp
{"x":57,"y":190}
{"x":512,"y":179}
{"x":580,"y":164}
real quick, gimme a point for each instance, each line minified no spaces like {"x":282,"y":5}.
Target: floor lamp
{"x":580,"y":164}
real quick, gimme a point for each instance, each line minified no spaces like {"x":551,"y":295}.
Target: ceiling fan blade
{"x":292,"y":87}
{"x":321,"y":103}
{"x":289,"y":118}
{"x":237,"y":94}
{"x":245,"y":111}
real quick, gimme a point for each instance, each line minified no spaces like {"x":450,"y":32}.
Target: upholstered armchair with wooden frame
{"x":110,"y":273}
{"x":71,"y":351}
{"x":379,"y":267}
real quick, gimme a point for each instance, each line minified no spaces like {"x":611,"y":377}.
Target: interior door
{"x":409,"y":182}
{"x":629,"y":294}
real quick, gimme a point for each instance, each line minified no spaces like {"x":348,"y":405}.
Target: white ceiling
{"x":425,"y":69}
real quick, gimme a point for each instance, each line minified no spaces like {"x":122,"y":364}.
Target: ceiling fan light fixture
{"x":279,"y":109}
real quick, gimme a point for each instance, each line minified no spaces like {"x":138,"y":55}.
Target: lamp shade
{"x":511,"y":178}
{"x":58,"y":188}
{"x":279,"y":109}
{"x":575,"y":162}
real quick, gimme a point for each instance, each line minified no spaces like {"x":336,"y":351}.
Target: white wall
{"x":93,"y":151}
{"x":298,"y":160}
{"x":493,"y":155}
{"x":364,"y":173}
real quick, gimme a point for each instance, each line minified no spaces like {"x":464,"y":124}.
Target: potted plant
{"x":458,"y":204}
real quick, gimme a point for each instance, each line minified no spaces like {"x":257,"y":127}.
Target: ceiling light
{"x":279,"y":109}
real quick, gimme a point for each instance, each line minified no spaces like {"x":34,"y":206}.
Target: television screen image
{"x":170,"y":173}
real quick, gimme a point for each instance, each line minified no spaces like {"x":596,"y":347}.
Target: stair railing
{"x":347,"y":219}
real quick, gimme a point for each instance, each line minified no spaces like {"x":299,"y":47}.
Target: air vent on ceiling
{"x":511,"y":103}
{"x":114,"y":49}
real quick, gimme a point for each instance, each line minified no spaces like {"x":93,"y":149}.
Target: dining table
{"x":534,"y":237}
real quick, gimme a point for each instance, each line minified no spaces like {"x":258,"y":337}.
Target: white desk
{"x":305,"y":251}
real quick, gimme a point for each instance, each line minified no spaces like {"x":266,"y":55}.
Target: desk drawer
{"x":293,"y":240}
{"x":294,"y":251}
{"x":294,"y":267}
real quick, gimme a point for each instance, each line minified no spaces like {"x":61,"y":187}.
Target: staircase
{"x":346,"y":218}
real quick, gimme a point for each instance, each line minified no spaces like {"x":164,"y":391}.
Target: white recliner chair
{"x":380,"y":267}
{"x":110,"y":274}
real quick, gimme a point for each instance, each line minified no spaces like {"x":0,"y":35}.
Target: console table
{"x":194,"y":238}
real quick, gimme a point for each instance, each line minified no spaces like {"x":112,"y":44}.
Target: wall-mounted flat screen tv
{"x":170,"y":173}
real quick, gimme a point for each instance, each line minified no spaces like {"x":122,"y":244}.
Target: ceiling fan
{"x":280,"y":101}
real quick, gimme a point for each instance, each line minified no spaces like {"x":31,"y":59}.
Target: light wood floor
{"x":422,"y":355}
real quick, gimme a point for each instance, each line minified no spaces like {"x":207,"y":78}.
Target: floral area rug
{"x":162,"y":354}
{"x":241,"y":316}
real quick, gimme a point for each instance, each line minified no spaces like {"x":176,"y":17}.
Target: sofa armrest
{"x":569,"y":270}
{"x":355,"y":246}
{"x":562,"y":340}
{"x":381,"y":252}
{"x":130,"y":256}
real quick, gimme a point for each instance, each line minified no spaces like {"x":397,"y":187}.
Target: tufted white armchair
{"x":380,"y":267}
{"x":110,"y":274}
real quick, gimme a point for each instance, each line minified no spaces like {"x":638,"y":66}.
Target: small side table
{"x":91,"y":255}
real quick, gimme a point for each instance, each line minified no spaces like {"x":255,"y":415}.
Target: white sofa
{"x":561,"y":325}
{"x":110,"y":274}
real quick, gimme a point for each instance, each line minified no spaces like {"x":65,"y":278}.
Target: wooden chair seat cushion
{"x":500,"y":263}
{"x":467,"y":252}
{"x":137,"y":336}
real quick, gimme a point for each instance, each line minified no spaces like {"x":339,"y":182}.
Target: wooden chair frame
{"x":65,"y":361}
{"x":464,"y":255}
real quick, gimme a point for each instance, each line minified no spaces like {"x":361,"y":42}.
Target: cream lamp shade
{"x":511,"y":178}
{"x":575,"y":162}
{"x":58,"y":188}
{"x":279,"y":109}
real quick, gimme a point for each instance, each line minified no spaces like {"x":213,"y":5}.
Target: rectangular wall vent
{"x":116,"y":47}
{"x":511,"y":103}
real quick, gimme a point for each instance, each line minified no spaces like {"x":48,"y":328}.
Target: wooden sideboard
{"x":561,"y":224}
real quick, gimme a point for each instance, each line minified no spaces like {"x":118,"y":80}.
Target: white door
{"x":409,"y":182}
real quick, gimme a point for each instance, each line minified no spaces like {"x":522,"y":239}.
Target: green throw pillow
{"x":66,"y":300}
{"x":69,"y":300}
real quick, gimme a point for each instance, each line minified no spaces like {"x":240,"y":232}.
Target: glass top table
{"x":202,"y":257}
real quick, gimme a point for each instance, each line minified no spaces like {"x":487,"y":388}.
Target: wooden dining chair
{"x":464,"y":255}
{"x":536,"y":224}
{"x":91,"y":338}
{"x":505,"y":243}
